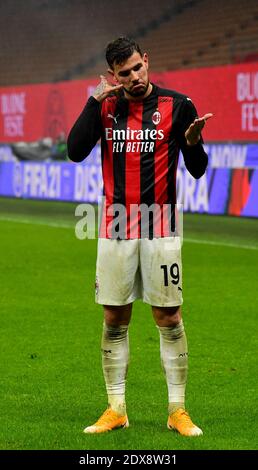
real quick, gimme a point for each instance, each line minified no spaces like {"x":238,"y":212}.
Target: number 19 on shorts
{"x":170,"y":273}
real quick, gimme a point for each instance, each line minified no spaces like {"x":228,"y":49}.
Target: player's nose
{"x":134,"y":76}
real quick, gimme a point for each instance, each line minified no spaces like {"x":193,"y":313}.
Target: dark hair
{"x":120,"y":50}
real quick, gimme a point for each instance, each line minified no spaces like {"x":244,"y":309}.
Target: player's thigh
{"x":161,"y":270}
{"x":117,"y":264}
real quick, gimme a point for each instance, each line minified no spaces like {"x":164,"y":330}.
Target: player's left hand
{"x":193,"y":133}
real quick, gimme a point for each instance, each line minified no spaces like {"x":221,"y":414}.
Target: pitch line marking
{"x":35,"y":222}
{"x":230,"y":245}
{"x":186,"y":239}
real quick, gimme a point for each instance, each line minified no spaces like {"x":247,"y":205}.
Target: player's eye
{"x":124,"y":74}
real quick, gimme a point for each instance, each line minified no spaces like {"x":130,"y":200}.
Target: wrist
{"x":193,"y":142}
{"x":99,"y":98}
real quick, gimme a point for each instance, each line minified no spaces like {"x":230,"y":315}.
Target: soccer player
{"x":142,"y":127}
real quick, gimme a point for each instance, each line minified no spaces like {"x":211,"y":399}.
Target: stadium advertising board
{"x":62,"y":181}
{"x":29,"y":113}
{"x":229,"y":186}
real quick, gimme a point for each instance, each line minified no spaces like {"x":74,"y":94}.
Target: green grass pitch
{"x":51,"y":377}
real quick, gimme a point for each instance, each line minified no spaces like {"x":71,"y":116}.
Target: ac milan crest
{"x":156,"y":118}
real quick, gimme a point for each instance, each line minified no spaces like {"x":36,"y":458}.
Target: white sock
{"x":174,"y":359}
{"x":115,"y":357}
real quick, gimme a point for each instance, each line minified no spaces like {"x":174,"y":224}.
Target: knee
{"x":167,"y":316}
{"x":117,"y":315}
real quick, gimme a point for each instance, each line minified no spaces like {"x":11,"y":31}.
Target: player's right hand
{"x":104,"y":89}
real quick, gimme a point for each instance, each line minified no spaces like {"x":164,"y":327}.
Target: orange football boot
{"x":107,"y":422}
{"x":180,"y":421}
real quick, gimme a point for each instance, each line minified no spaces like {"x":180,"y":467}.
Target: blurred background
{"x":51,"y":55}
{"x":53,"y":52}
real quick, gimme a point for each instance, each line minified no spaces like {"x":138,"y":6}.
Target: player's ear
{"x":145,"y":59}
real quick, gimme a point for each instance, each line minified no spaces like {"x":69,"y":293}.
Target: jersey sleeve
{"x":195,"y":158}
{"x":85,"y":132}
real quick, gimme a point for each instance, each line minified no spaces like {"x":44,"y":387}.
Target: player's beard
{"x":140,"y":92}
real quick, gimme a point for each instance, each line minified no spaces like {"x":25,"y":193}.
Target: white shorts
{"x":145,"y":269}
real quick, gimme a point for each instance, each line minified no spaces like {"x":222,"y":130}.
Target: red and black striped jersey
{"x":140,"y":143}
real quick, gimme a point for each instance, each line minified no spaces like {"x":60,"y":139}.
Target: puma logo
{"x":113,"y":117}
